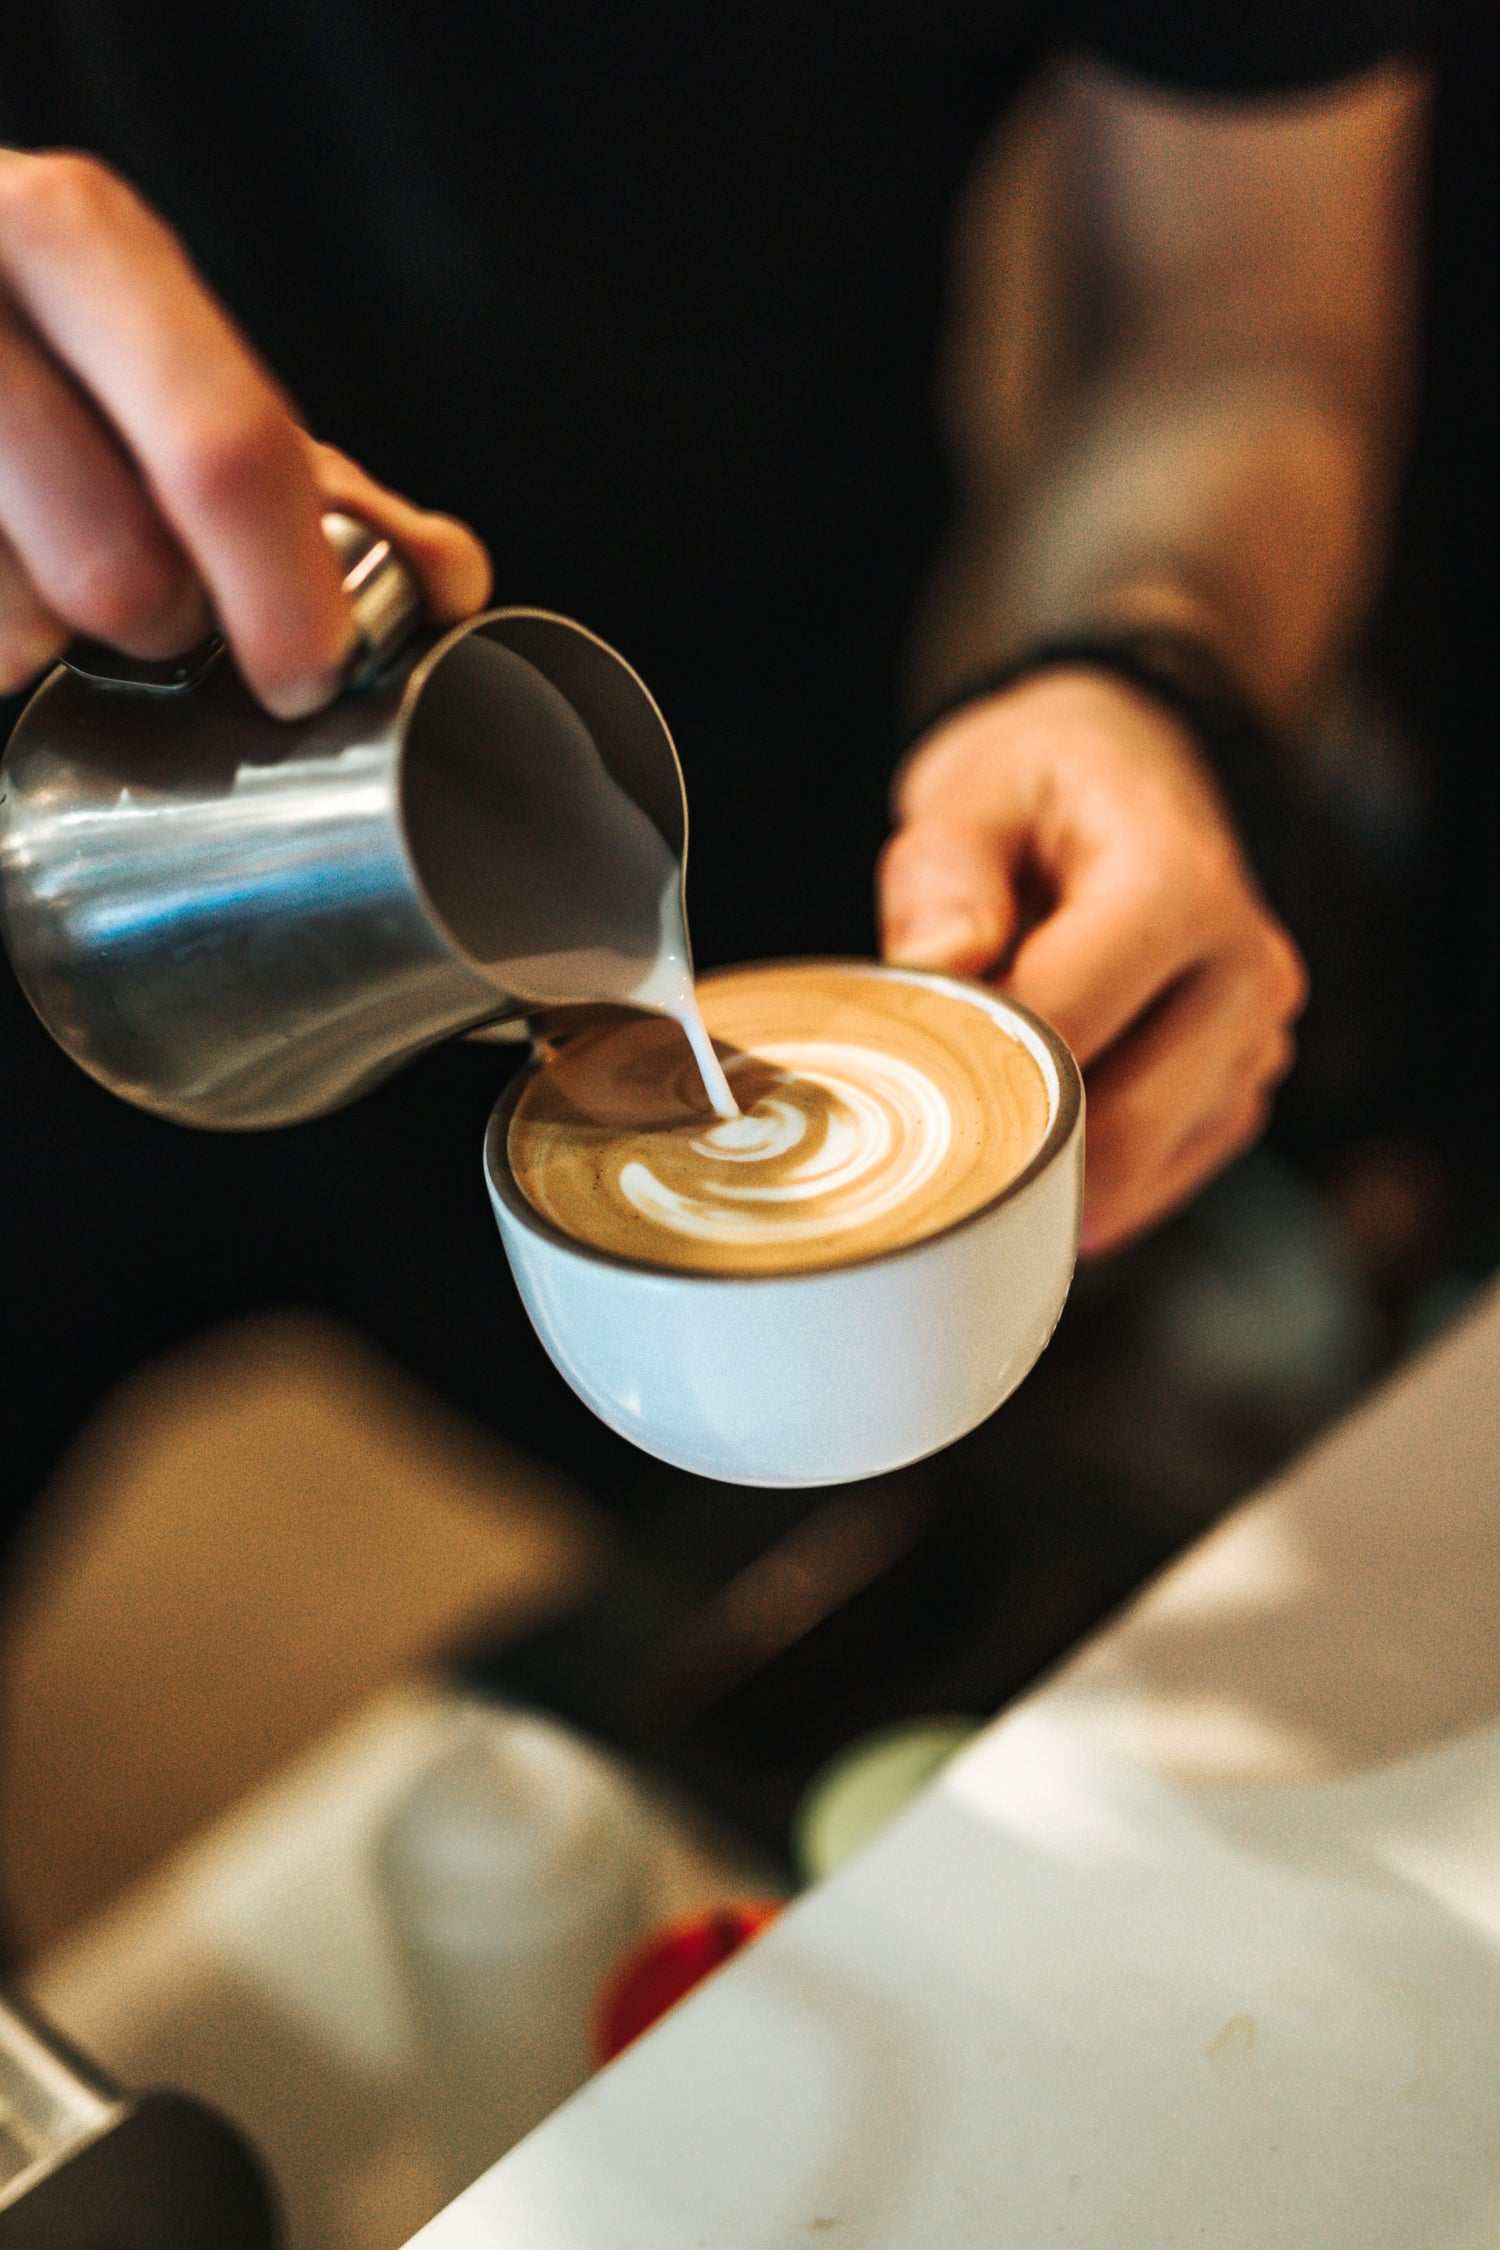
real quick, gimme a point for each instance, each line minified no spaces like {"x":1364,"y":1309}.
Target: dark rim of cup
{"x":1054,"y":1140}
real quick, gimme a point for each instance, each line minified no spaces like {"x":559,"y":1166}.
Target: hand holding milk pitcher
{"x":815,"y":1230}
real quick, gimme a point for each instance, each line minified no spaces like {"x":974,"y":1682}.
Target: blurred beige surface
{"x":255,"y":1969}
{"x":252,"y":1537}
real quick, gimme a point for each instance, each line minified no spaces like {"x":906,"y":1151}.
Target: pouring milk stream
{"x":576,"y":895}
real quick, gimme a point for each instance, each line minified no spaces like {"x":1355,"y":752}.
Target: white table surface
{"x":1200,"y":1944}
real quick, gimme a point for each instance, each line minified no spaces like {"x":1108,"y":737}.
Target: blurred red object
{"x":669,"y":1963}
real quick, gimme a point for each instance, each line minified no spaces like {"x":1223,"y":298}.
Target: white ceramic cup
{"x":815,"y":1378}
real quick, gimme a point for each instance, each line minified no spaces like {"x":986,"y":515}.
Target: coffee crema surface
{"x":874,"y":1111}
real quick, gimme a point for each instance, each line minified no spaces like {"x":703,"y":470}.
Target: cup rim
{"x":1052,"y":1144}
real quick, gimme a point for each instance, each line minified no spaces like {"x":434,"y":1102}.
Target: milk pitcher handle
{"x":381,"y":591}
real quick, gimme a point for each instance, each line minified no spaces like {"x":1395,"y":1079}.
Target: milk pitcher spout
{"x":237,"y":921}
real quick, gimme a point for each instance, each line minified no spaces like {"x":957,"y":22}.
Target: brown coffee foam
{"x":620,"y":1108}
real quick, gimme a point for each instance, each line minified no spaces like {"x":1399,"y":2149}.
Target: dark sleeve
{"x":1254,"y":46}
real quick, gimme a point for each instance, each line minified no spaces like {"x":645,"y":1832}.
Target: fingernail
{"x":301,"y":698}
{"x":301,"y":702}
{"x":933,"y":940}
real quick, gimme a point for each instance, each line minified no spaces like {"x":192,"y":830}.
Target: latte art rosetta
{"x":874,"y":1111}
{"x":843,"y":1141}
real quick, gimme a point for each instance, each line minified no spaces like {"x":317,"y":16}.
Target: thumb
{"x":946,"y":898}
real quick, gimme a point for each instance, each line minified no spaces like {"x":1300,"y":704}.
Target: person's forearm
{"x":1236,"y":505}
{"x":1218,"y":460}
{"x":1223,"y":462}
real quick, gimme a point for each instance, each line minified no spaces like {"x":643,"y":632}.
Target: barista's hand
{"x":152,"y":476}
{"x":1065,"y":837}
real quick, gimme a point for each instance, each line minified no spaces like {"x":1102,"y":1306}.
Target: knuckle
{"x":1267,"y":965}
{"x":226,"y":461}
{"x":61,"y":195}
{"x":897,"y":873}
{"x":1298,"y":985}
{"x":1250,"y":1124}
{"x":1284,"y":972}
{"x":1261,"y":1069}
{"x":1277,"y":1062}
{"x":895,"y":851}
{"x":331,"y":464}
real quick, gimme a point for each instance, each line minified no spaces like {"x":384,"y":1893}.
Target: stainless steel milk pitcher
{"x":234,"y":920}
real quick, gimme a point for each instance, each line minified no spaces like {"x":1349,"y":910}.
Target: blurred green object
{"x":853,"y":1797}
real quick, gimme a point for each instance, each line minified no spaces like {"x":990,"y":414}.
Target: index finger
{"x":108,"y":287}
{"x":1108,"y":949}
